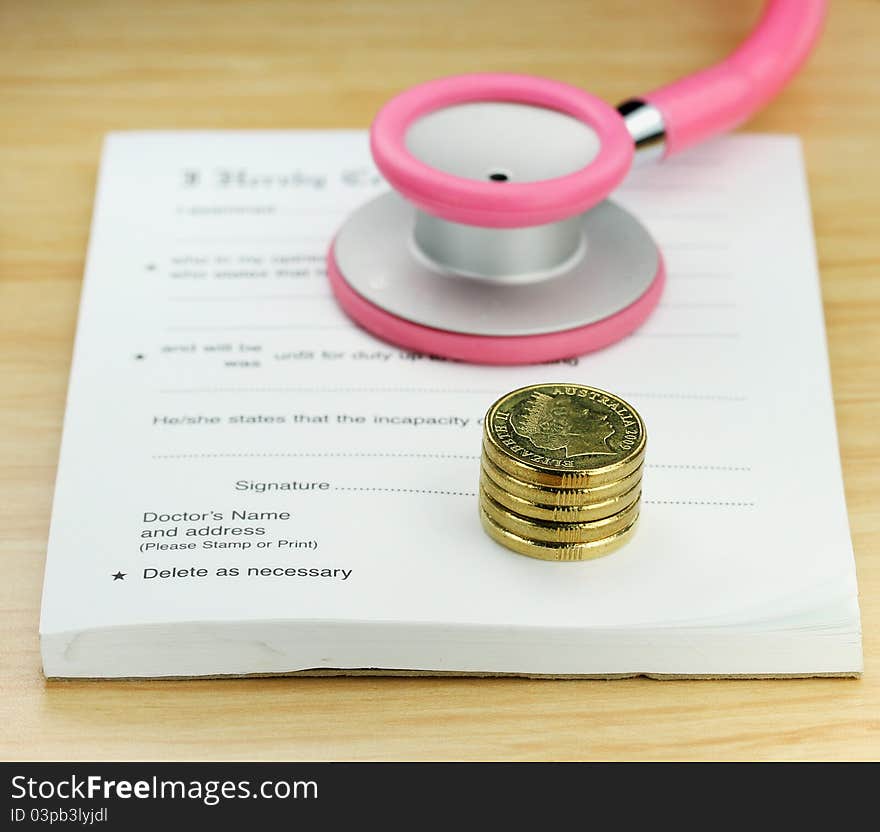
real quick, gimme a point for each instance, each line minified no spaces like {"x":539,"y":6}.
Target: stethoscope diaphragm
{"x":498,"y":244}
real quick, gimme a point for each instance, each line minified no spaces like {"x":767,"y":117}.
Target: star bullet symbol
{"x":119,"y":576}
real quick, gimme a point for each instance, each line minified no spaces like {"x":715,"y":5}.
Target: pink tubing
{"x":493,"y":349}
{"x":712,"y":101}
{"x":517,"y":204}
{"x":725,"y":95}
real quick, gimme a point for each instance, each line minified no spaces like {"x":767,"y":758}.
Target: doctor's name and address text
{"x":240,"y":530}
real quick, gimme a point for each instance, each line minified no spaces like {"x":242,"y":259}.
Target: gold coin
{"x":556,"y":551}
{"x":567,"y":481}
{"x":547,"y":496}
{"x":542,"y":530}
{"x":559,"y":514}
{"x":564,"y":435}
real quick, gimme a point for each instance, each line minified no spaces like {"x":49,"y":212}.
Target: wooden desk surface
{"x":69,"y":72}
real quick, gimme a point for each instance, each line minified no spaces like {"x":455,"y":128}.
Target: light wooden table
{"x":71,"y":71}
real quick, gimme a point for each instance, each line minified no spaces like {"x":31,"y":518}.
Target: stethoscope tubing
{"x":723,"y":96}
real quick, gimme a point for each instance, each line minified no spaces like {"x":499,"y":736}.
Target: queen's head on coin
{"x":563,"y":423}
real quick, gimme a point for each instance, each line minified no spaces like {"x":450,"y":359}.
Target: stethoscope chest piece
{"x":604,"y":287}
{"x":496,"y":244}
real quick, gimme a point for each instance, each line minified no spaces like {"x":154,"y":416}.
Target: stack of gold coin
{"x":561,"y":471}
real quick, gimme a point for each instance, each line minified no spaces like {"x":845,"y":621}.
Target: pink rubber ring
{"x":517,"y":204}
{"x":486,"y":349}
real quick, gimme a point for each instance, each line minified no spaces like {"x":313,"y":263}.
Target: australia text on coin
{"x":566,"y":426}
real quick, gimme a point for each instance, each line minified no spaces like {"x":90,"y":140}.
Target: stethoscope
{"x":497,"y":244}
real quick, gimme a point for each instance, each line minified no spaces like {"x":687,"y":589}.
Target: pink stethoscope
{"x":497,"y":244}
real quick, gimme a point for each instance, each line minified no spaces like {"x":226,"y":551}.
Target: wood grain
{"x":69,"y":72}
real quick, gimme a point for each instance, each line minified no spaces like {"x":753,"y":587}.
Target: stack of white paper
{"x":249,"y":484}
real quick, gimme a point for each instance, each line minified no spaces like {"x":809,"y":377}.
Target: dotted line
{"x":702,"y":467}
{"x":726,"y":503}
{"x":324,"y":390}
{"x":237,"y":298}
{"x":404,"y":490}
{"x":254,"y":328}
{"x":701,"y":275}
{"x":378,"y":455}
{"x":698,"y":305}
{"x":686,"y":334}
{"x":328,"y":454}
{"x":692,"y":246}
{"x":694,"y":396}
{"x":495,"y":392}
